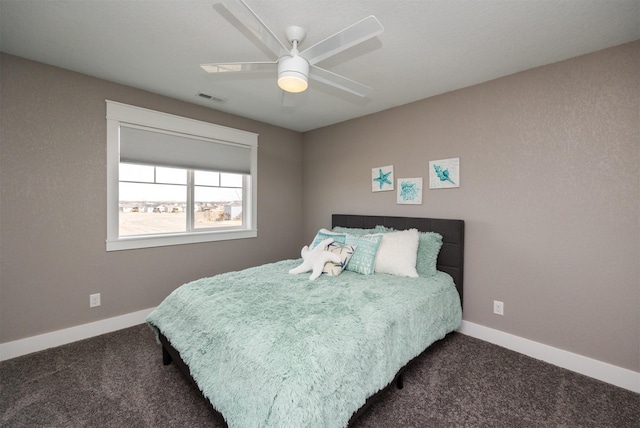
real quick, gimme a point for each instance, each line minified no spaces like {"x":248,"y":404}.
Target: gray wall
{"x":550,"y":191}
{"x":53,"y":204}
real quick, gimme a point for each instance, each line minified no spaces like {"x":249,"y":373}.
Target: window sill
{"x":135,"y":242}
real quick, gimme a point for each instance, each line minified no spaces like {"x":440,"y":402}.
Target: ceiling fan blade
{"x":337,"y":81}
{"x":343,"y":40}
{"x":235,"y":67}
{"x":240,"y":15}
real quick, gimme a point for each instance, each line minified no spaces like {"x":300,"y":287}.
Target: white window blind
{"x":153,"y":147}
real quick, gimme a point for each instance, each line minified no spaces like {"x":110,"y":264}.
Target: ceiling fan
{"x":294,"y":68}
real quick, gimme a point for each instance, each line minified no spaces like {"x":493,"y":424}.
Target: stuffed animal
{"x":315,"y":259}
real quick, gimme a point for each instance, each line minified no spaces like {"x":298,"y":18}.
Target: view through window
{"x":155,"y":200}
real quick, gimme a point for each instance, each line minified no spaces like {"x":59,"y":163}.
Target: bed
{"x":270,"y":349}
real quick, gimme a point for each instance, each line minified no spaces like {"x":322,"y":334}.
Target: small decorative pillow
{"x":428,"y":250}
{"x":345,"y":252}
{"x":398,"y":253}
{"x":363,"y":260}
{"x":326,"y":234}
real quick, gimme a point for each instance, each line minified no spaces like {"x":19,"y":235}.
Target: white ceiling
{"x":428,"y":47}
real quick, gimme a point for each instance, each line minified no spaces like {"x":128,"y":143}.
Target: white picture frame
{"x":444,"y":173}
{"x":382,"y":178}
{"x":409,"y":191}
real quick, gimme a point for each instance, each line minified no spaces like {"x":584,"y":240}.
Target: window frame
{"x":117,"y":114}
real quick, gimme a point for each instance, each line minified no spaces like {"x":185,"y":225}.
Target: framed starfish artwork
{"x":444,"y":173}
{"x":382,"y":178}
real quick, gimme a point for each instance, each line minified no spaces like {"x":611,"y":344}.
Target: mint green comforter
{"x":270,"y":349}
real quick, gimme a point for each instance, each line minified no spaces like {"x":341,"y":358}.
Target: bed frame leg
{"x":166,"y":357}
{"x":400,"y":381}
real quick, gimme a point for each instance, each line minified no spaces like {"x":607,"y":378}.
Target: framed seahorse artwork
{"x":444,"y":173}
{"x":410,"y":191}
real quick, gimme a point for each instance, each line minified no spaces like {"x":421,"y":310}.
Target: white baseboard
{"x":41,"y":342}
{"x":605,"y":372}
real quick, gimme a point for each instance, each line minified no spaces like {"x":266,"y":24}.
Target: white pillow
{"x":398,"y":253}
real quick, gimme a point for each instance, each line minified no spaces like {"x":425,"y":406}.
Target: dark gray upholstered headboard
{"x":451,"y":257}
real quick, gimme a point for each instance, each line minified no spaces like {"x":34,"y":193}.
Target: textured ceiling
{"x":428,"y":47}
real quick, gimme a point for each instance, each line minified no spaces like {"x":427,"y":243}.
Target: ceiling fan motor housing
{"x":293,"y":72}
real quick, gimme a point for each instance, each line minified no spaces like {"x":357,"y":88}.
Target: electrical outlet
{"x":94,"y":300}
{"x":498,"y":307}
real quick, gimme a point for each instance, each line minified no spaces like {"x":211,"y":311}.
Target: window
{"x":173,"y":180}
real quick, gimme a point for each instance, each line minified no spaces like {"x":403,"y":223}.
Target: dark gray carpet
{"x":118,"y":380}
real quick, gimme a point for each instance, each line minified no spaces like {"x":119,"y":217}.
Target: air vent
{"x":211,"y":97}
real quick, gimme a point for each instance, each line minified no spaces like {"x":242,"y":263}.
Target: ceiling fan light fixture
{"x":292,"y":74}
